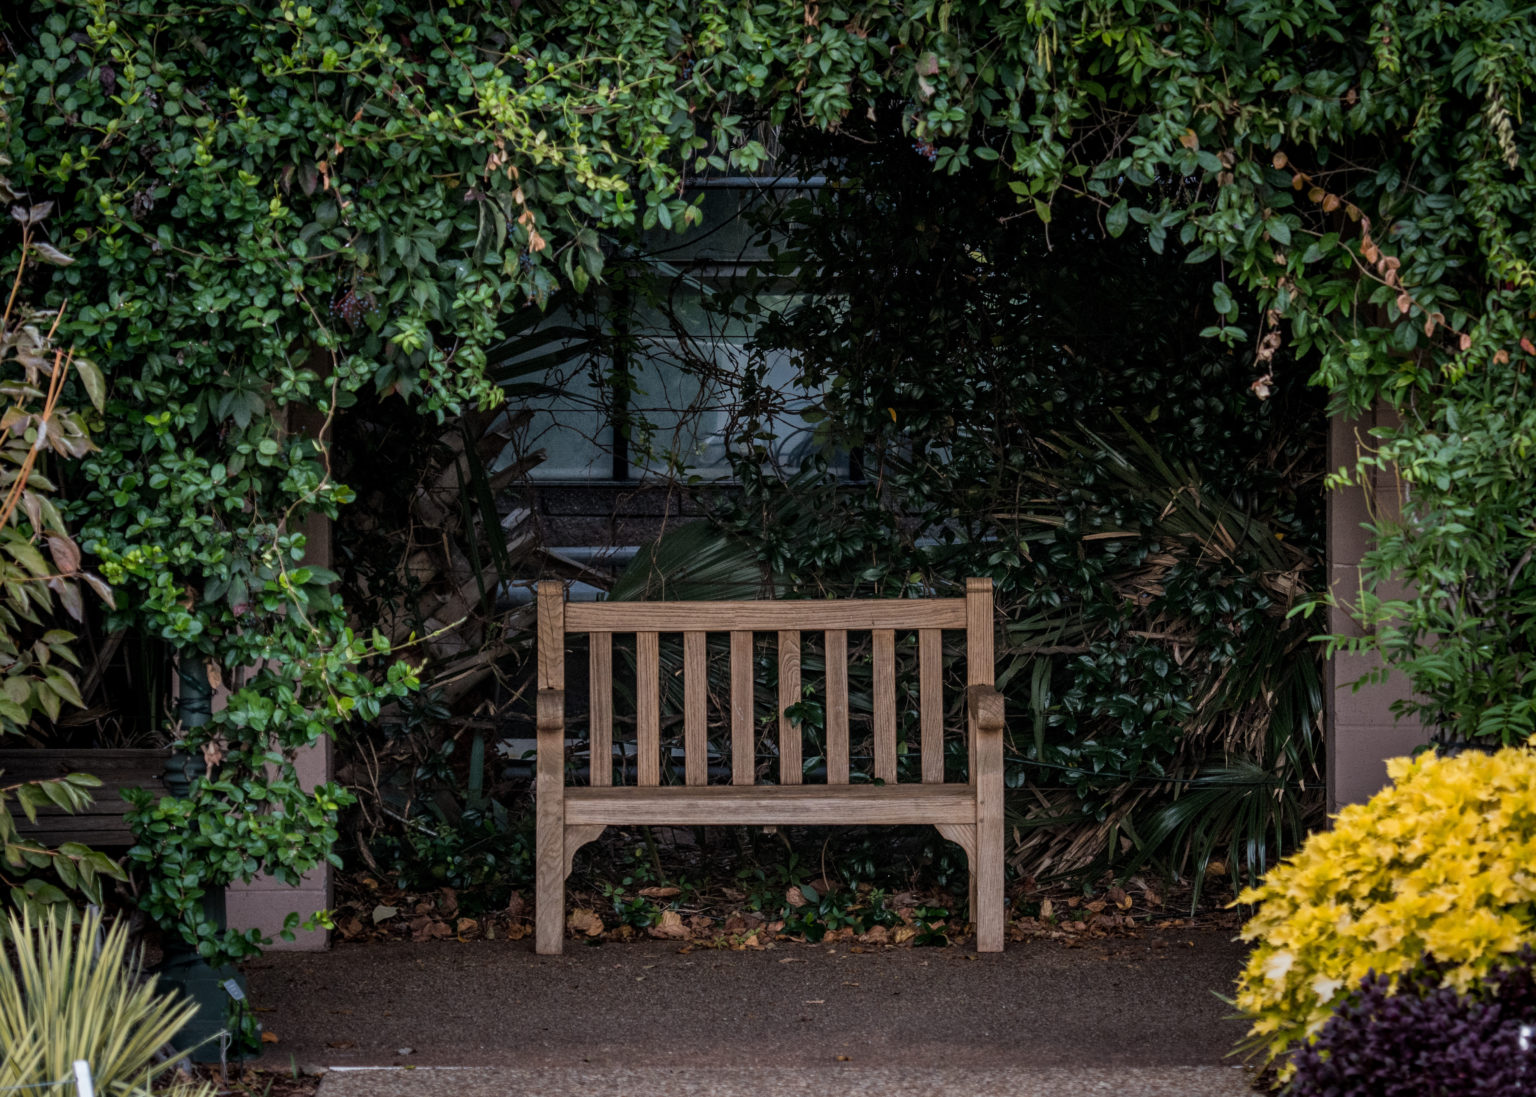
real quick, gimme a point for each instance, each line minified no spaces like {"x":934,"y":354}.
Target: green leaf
{"x":1115,"y":221}
{"x":95,"y":384}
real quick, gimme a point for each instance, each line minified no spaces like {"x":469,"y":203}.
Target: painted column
{"x":1361,"y":732}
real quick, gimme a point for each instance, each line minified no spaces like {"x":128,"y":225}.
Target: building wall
{"x":264,"y":903}
{"x":1361,"y":732}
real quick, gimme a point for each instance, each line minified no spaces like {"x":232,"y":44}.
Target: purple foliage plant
{"x":1426,"y":1039}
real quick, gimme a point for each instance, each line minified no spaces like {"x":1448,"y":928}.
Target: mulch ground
{"x":369,"y":910}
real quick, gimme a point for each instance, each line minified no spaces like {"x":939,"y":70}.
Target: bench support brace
{"x":576,"y":836}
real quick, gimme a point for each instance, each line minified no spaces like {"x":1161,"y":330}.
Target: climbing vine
{"x":275,"y":206}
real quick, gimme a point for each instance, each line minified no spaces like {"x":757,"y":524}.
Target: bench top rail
{"x":807,"y":615}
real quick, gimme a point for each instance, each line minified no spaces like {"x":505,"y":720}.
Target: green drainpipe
{"x":218,"y":992}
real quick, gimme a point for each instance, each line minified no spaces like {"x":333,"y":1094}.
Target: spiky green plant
{"x":65,"y":997}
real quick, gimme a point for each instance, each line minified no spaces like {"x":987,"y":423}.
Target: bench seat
{"x":769,"y":805}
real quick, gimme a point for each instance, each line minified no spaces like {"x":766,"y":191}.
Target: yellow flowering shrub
{"x":1442,"y":861}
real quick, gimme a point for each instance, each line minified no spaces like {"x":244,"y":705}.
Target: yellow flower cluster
{"x":1442,"y":861}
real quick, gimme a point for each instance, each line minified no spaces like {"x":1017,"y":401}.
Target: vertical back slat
{"x":885,"y":705}
{"x":837,"y":707}
{"x":930,"y":686}
{"x":789,"y":694}
{"x":743,"y":750}
{"x":600,"y":685}
{"x":648,"y":708}
{"x":695,"y":717}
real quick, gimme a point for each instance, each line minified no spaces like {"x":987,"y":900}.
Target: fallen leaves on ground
{"x":248,"y":1081}
{"x":371,"y":911}
{"x":375,"y":912}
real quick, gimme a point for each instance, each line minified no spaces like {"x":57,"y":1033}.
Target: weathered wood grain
{"x":930,"y":686}
{"x":549,"y":773}
{"x":790,"y":766}
{"x":648,"y":708}
{"x":600,"y":688}
{"x":695,"y":709}
{"x":743,"y":743}
{"x":809,"y":615}
{"x":837,"y":706}
{"x":885,"y":705}
{"x":764,"y":805}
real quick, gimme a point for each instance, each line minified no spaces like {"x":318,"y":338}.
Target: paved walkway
{"x":1121,"y":1016}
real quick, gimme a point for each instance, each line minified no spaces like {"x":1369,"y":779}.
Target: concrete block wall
{"x":264,"y":903}
{"x":1361,"y":732}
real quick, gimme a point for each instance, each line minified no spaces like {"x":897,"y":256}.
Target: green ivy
{"x":275,"y":206}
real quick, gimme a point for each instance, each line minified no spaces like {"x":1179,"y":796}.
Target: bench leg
{"x":987,"y":896}
{"x":549,"y":883}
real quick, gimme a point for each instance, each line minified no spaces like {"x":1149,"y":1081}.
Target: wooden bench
{"x":569,"y":817}
{"x":101,"y":826}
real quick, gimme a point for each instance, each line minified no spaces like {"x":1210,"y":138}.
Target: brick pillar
{"x":1361,"y":732}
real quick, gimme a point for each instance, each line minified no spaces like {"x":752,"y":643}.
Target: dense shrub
{"x":1437,"y":863}
{"x":1424,"y":1039}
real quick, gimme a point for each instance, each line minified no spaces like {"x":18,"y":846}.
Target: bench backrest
{"x":882,"y":618}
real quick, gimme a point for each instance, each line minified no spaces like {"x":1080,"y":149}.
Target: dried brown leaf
{"x":670,"y":927}
{"x":65,"y":553}
{"x":584,"y":921}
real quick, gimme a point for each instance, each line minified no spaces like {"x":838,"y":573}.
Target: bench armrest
{"x":984,"y":705}
{"x":549,"y":710}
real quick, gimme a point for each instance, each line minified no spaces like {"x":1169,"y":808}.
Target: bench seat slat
{"x":806,"y":615}
{"x":766,"y":805}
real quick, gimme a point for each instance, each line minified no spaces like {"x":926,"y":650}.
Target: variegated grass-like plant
{"x":65,"y":997}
